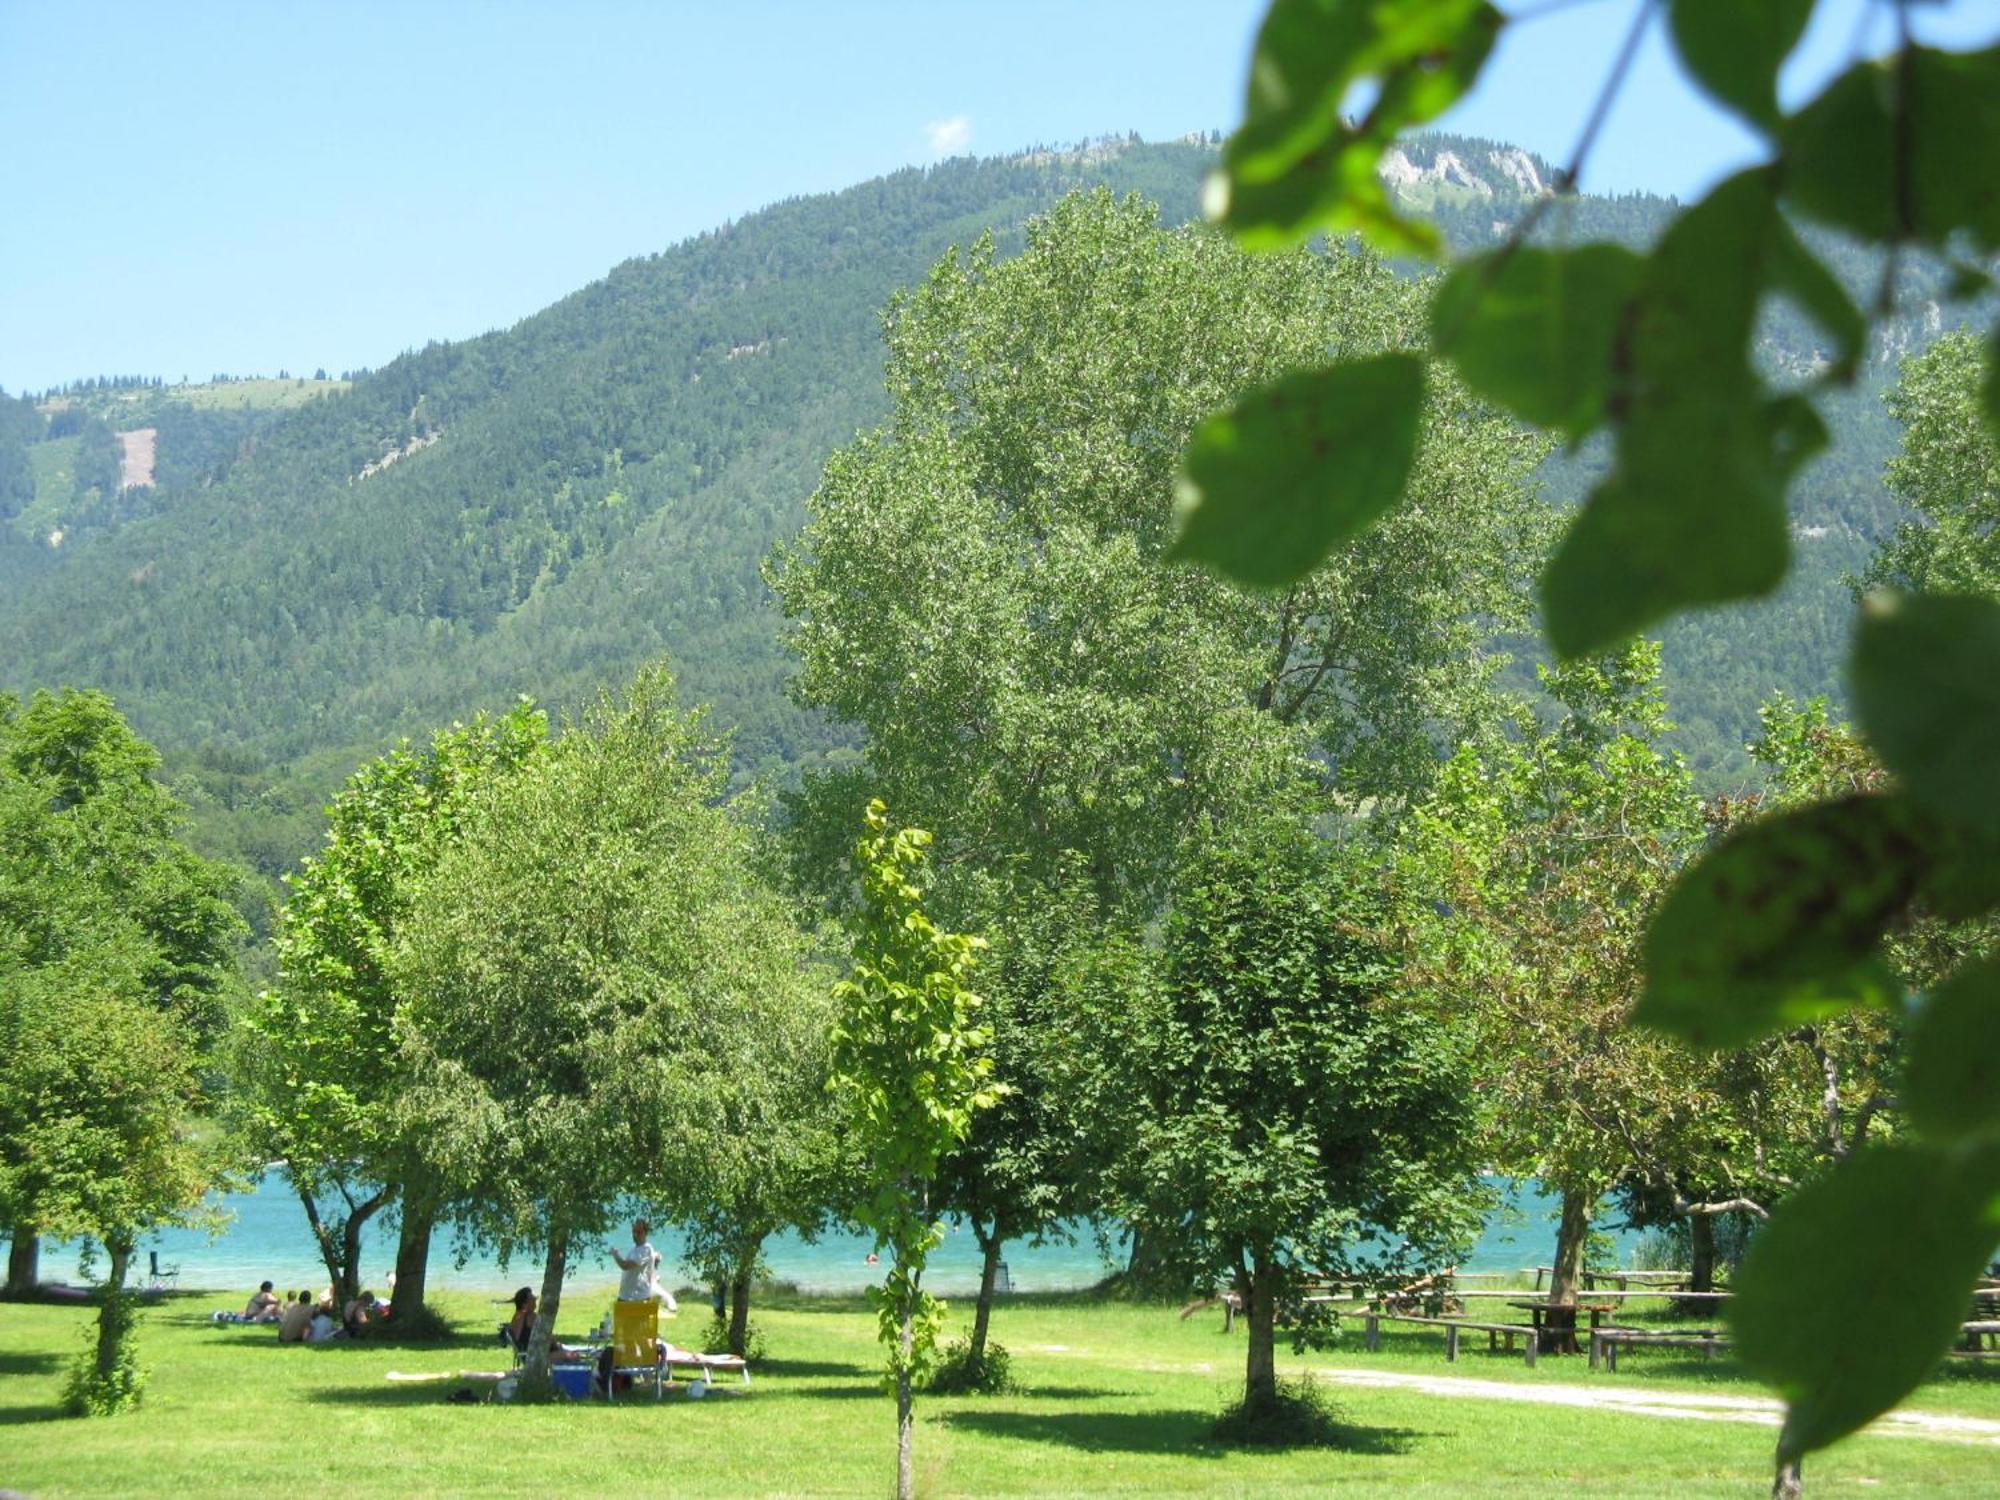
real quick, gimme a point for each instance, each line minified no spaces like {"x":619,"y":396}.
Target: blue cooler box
{"x":572,"y":1380}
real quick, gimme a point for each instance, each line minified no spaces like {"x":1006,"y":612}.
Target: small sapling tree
{"x":911,"y":1070}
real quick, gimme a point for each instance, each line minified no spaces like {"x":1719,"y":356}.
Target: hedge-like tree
{"x":115,"y":951}
{"x":1295,"y":1120}
{"x":578,"y":972}
{"x":319,"y":1051}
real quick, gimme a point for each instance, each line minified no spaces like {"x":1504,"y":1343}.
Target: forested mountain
{"x":536,"y":510}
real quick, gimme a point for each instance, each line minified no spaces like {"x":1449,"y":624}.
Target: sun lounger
{"x":705,"y":1366}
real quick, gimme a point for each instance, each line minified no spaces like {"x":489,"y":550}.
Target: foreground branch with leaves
{"x":1785,"y":921}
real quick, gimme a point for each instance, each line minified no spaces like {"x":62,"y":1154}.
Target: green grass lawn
{"x":1116,"y":1399}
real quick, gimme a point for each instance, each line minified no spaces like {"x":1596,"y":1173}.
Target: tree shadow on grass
{"x":1070,"y":1392}
{"x":404,"y":1394}
{"x":18,"y":1416}
{"x":1962,"y":1373}
{"x":804,"y":1369}
{"x":1182,"y":1431}
{"x":29,"y":1362}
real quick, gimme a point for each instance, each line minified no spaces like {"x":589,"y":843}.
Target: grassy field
{"x":254,"y":395}
{"x":1116,"y":1399}
{"x":54,"y":466}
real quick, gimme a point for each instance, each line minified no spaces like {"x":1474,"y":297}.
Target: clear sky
{"x":197,"y":187}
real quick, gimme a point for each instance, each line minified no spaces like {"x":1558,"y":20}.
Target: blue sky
{"x":240,"y":187}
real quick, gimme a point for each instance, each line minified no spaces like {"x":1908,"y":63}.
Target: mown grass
{"x":1115,"y":1398}
{"x":255,"y":395}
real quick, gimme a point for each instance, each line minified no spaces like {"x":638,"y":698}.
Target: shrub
{"x":92,"y":1392}
{"x":958,"y":1373}
{"x":715,"y":1338}
{"x":1302,"y":1416}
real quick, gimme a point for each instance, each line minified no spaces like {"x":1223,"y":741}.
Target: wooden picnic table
{"x":1622,"y":1280}
{"x":1516,"y":1292}
{"x":1554,"y":1323}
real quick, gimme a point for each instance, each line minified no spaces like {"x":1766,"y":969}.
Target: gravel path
{"x":1697,"y":1406}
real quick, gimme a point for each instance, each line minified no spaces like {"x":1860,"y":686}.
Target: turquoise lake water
{"x":267,"y":1237}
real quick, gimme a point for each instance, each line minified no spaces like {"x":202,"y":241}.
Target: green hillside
{"x":537,"y":510}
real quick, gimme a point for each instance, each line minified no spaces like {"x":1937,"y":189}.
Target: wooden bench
{"x":1373,"y":1319}
{"x":1555,"y":1322}
{"x":1976,"y":1337}
{"x":1606,"y":1342}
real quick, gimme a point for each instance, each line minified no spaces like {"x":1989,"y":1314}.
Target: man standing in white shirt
{"x":641,"y":1267}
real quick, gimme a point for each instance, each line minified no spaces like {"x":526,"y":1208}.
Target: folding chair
{"x":635,"y":1345}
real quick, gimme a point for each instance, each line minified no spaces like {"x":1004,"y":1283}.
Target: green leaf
{"x":1967,"y":282}
{"x":1964,"y":878}
{"x":1694,"y":510}
{"x":1802,"y":276}
{"x":1695,"y":516}
{"x":1951,"y":1068}
{"x":1843,"y":163}
{"x":1534,"y":329}
{"x":1780,"y":923}
{"x":1268,"y":487}
{"x":1857,"y":1286}
{"x":1734,"y":50}
{"x":1926,"y":682}
{"x":1296,"y":165}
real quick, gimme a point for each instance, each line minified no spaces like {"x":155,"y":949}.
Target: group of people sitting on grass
{"x":309,"y":1318}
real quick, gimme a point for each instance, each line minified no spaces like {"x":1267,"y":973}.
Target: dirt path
{"x":1697,"y":1406}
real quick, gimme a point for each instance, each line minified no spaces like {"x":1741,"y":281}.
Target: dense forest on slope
{"x":326,"y":566}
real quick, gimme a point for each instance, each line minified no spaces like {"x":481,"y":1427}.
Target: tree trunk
{"x":1701,"y":1254}
{"x":906,"y":1339}
{"x":535,"y":1366}
{"x":24,"y":1255}
{"x":1572,"y":1235}
{"x":1789,"y":1483}
{"x":739,"y":1306}
{"x":1260,"y":1369}
{"x":350,"y":1254}
{"x":1566,"y":1276}
{"x":990,"y":1245}
{"x":413,"y":1255}
{"x":112,"y":1322}
{"x":340,"y":1241}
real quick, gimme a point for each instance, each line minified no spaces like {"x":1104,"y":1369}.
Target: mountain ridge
{"x":536,"y":509}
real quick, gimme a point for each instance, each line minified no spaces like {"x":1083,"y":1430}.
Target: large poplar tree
{"x":983,"y":588}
